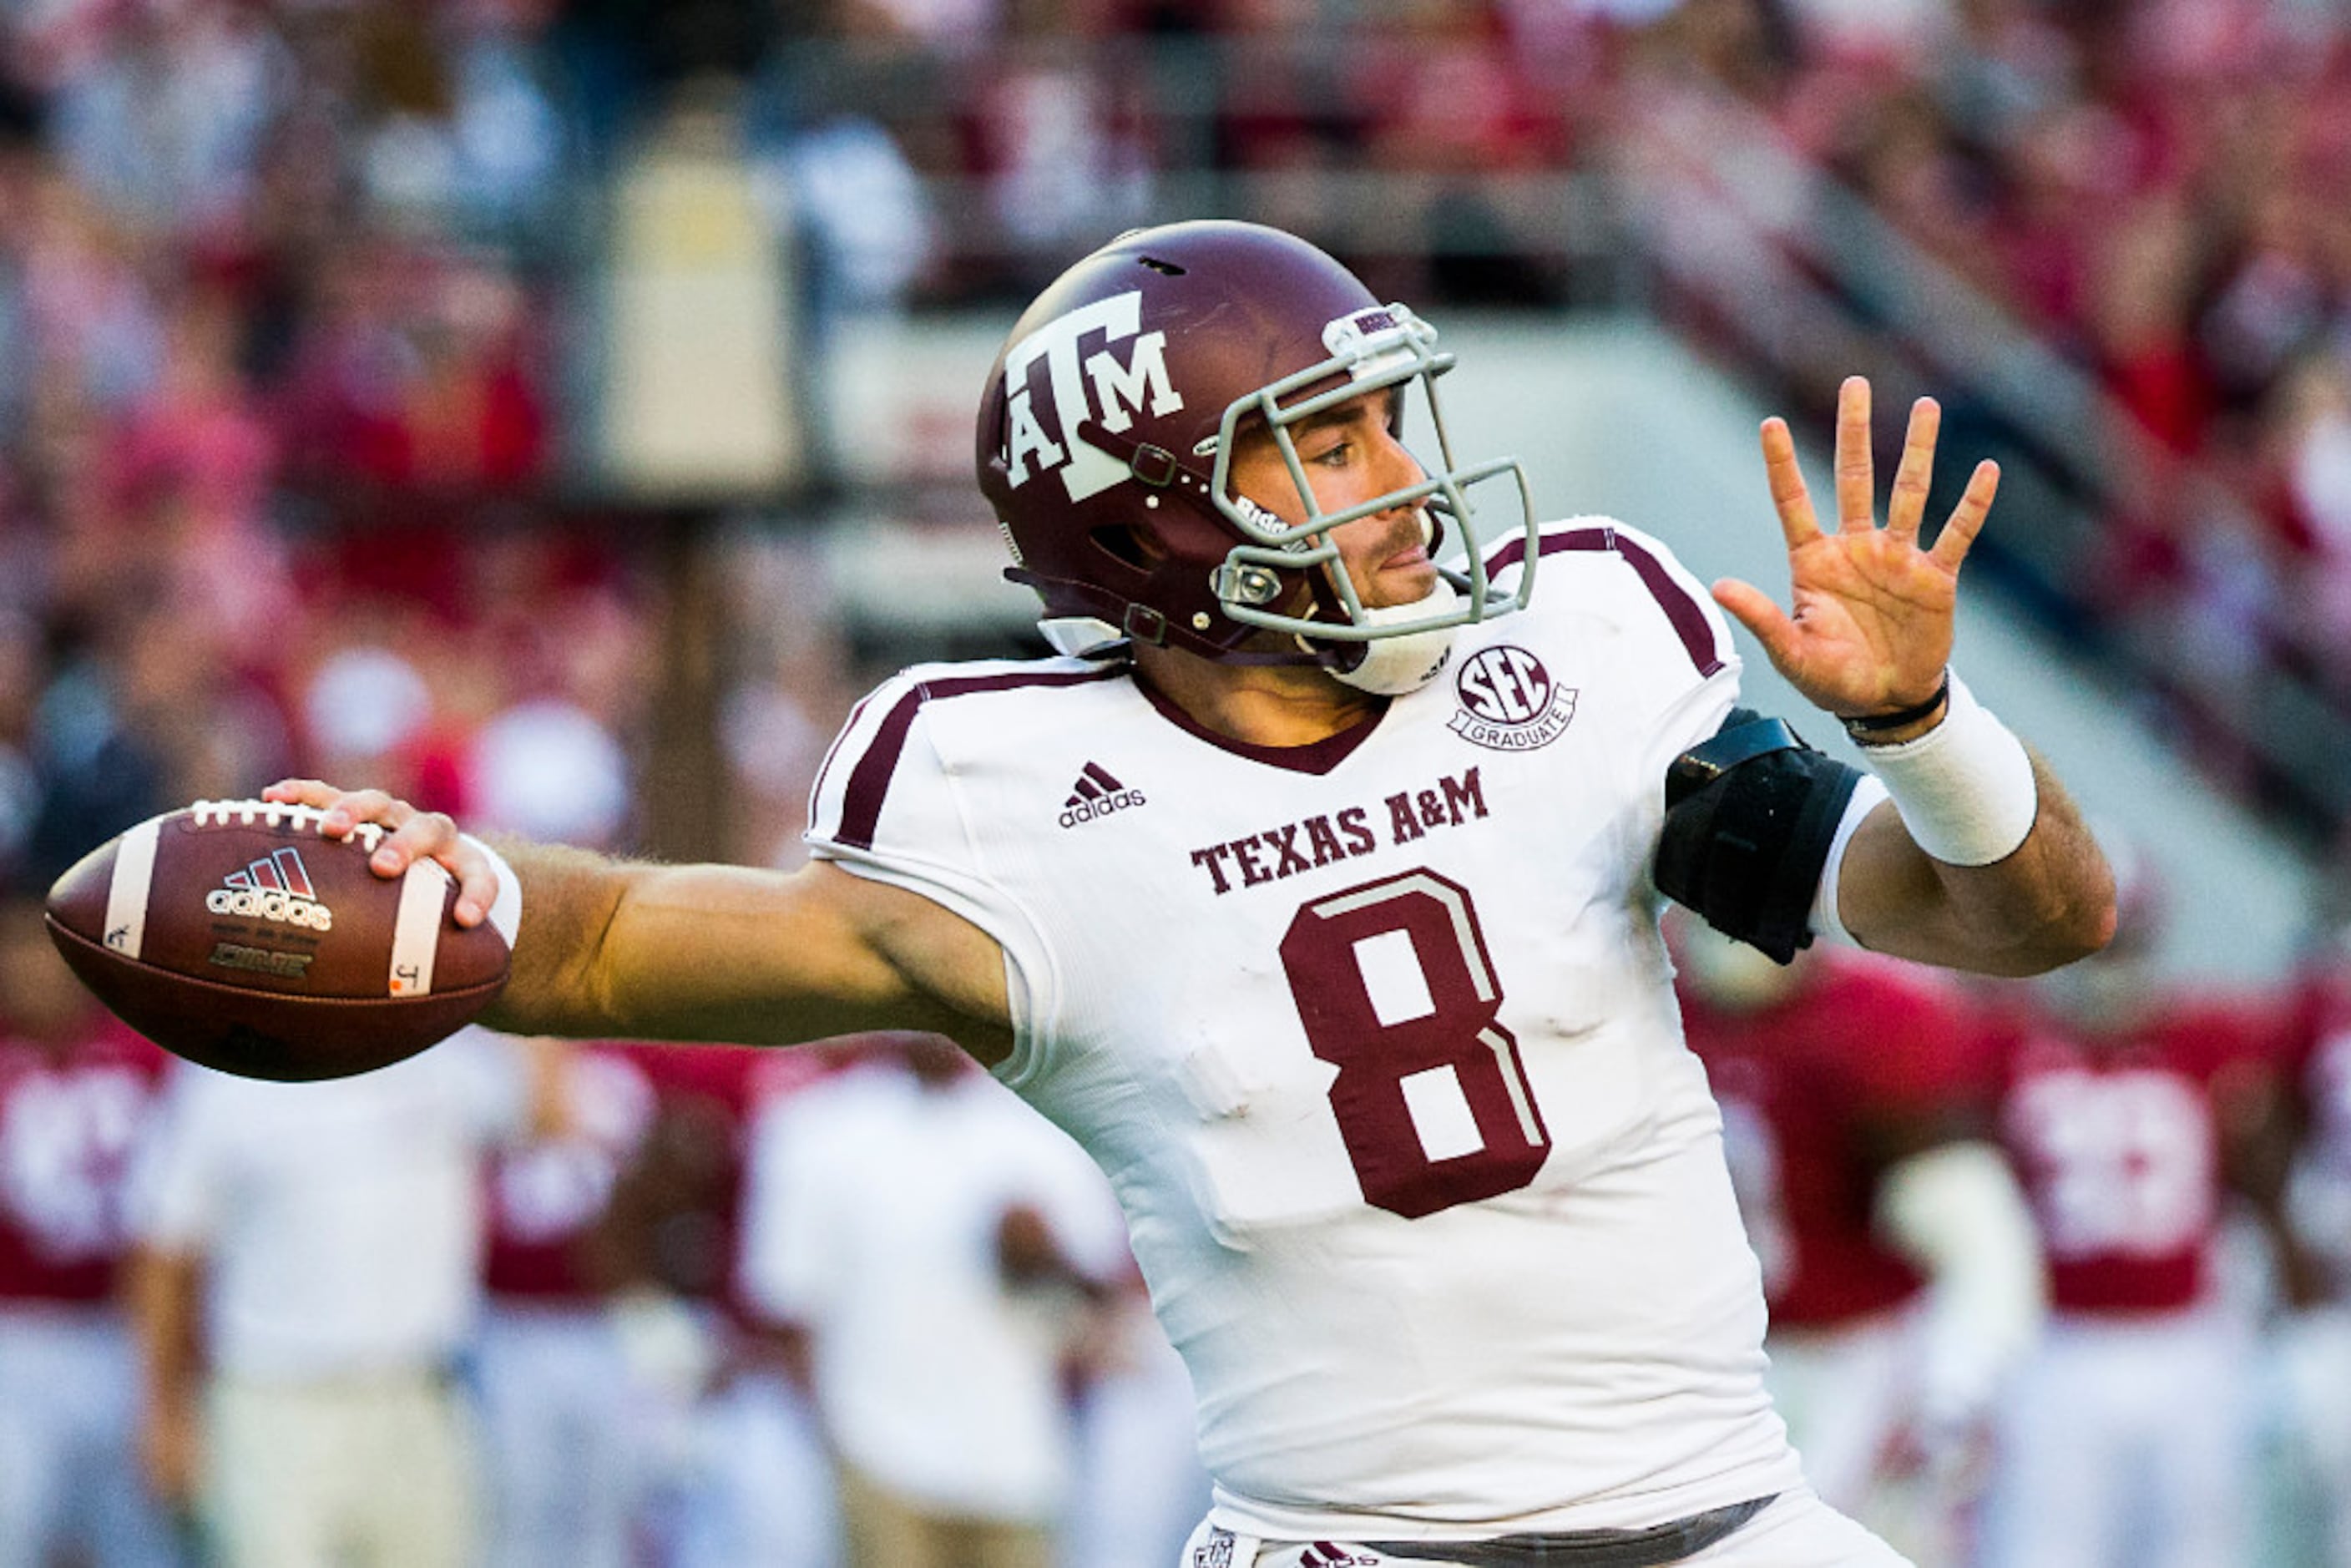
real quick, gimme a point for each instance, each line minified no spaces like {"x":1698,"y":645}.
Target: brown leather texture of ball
{"x":238,"y":935}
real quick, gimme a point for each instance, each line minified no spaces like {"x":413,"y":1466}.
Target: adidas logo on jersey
{"x":278,"y":889}
{"x":1216,"y":1551}
{"x":1096,"y":794}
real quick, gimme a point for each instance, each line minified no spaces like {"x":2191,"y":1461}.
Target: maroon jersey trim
{"x":1317,"y":758}
{"x":869,"y":781}
{"x":1683,"y":613}
{"x":833,"y":753}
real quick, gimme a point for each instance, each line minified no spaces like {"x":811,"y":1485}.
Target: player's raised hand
{"x":414,"y":835}
{"x":1870,"y":630}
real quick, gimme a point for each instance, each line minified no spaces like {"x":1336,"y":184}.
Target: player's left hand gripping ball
{"x":237,"y":934}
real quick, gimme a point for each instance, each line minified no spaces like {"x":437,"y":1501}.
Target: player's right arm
{"x":624,"y":950}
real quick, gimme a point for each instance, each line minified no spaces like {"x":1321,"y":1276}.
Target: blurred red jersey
{"x":2319,"y":1057}
{"x":669,"y":1115}
{"x":70,"y":1123}
{"x":2317,"y":1068}
{"x":547,"y":1196}
{"x":1820,"y":1092}
{"x":2115,"y":1137}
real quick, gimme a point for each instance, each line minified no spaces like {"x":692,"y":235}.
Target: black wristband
{"x":1861,"y":727}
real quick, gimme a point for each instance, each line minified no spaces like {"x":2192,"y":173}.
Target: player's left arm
{"x":1980,"y":861}
{"x":2048,"y":902}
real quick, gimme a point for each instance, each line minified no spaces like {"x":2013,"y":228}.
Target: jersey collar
{"x":1318,"y":758}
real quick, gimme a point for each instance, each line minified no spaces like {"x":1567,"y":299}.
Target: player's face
{"x":1351,"y":454}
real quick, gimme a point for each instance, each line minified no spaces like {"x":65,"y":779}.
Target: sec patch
{"x":1509,"y":702}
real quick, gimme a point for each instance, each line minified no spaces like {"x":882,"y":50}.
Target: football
{"x":236,"y":934}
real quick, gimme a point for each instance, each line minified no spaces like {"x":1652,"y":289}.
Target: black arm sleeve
{"x":1750,"y":816}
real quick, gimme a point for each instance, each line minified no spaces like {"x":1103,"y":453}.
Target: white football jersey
{"x":1378,"y":1042}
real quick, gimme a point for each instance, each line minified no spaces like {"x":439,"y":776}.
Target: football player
{"x":936,"y":1250}
{"x":77,"y":1095}
{"x":1313,"y":887}
{"x":2306,"y":1200}
{"x":1899,"y":1260}
{"x":2124,"y":1104}
{"x":303,"y":1286}
{"x":565,"y":1431}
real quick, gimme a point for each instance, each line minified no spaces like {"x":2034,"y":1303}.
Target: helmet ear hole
{"x":1129,"y":546}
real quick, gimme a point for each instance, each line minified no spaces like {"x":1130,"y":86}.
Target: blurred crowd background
{"x":323,"y":441}
{"x":361,"y":414}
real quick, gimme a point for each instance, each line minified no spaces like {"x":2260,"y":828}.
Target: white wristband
{"x":506,"y":910}
{"x":1965,"y":788}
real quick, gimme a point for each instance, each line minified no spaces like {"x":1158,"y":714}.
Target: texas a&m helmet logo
{"x":1102,"y":385}
{"x":1509,"y":701}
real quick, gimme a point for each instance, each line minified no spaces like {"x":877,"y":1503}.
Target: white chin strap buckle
{"x":1074,"y":636}
{"x":1409,"y":660}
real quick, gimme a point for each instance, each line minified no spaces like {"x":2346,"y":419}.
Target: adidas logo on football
{"x":278,"y":888}
{"x":1096,"y":794}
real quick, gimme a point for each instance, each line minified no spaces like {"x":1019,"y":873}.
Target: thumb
{"x":1759,"y":613}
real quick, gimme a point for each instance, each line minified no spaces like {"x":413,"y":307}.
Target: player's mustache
{"x":1416,"y":524}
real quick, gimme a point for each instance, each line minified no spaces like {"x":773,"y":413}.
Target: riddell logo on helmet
{"x":1098,"y":385}
{"x":277,"y":889}
{"x":1097,"y":794}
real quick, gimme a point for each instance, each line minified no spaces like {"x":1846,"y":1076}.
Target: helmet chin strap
{"x":1394,"y":666}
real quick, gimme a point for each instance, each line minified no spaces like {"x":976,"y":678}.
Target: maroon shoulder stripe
{"x":1683,"y":613}
{"x":869,"y":781}
{"x":833,"y":753}
{"x":1513,"y":550}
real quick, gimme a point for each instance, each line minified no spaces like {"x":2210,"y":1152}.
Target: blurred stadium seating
{"x":346,"y":350}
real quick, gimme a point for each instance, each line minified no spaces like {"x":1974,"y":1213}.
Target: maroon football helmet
{"x":1107,"y":429}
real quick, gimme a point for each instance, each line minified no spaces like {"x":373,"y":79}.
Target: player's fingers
{"x":1758,"y":612}
{"x":1786,"y":477}
{"x":1856,"y":472}
{"x":419,"y":835}
{"x":1905,"y":508}
{"x":432,"y":835}
{"x":347,"y":809}
{"x":301,"y":792}
{"x":1967,"y":518}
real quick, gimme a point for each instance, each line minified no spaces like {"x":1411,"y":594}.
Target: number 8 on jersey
{"x":1394,"y":990}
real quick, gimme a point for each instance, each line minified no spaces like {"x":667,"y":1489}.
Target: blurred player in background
{"x":2125,"y":1439}
{"x":1139,"y":1486}
{"x":666,"y":1245}
{"x":939,"y":1248}
{"x":307,"y":1280}
{"x":761,"y":1486}
{"x":2305,"y":1158}
{"x":563,"y":1430}
{"x":77,"y":1094}
{"x":1899,"y":1261}
{"x":1316,"y":897}
{"x":609,"y":1245}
